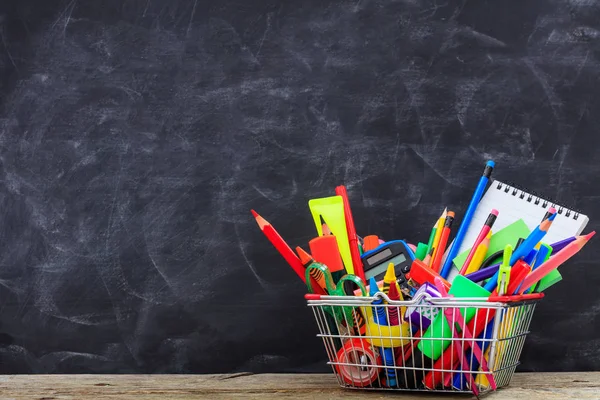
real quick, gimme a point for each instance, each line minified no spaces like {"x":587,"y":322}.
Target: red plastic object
{"x":312,"y":296}
{"x":516,"y":298}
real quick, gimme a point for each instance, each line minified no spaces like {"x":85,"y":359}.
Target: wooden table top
{"x":543,"y":386}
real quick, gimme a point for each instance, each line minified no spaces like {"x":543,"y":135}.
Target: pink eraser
{"x":495,"y":212}
{"x":552,"y":210}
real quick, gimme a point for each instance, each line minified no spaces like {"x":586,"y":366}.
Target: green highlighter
{"x":439,"y":328}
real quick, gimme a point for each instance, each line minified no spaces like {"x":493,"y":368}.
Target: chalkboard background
{"x":136,"y":136}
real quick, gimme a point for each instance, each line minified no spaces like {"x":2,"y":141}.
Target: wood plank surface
{"x":542,"y":386}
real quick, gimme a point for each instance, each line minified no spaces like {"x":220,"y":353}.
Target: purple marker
{"x":483,"y":274}
{"x":423,"y":313}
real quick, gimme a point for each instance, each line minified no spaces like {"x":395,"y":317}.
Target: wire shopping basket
{"x":426,"y":344}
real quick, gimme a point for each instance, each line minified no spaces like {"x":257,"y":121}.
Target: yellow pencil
{"x":438,"y":233}
{"x":479,"y":255}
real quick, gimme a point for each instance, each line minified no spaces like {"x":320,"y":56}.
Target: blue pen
{"x":523,"y":250}
{"x":464,"y":226}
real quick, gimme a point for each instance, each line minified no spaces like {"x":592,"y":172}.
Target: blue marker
{"x":464,"y":226}
{"x":523,"y":250}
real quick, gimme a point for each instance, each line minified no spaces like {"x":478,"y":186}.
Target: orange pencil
{"x":441,"y":248}
{"x":280,"y":244}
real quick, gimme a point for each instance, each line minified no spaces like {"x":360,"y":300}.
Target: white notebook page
{"x":513,"y":204}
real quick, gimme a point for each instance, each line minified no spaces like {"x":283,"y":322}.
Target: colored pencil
{"x":479,"y":256}
{"x":280,"y":244}
{"x":523,"y":250}
{"x":427,"y":259}
{"x":487,"y":226}
{"x":549,"y":212}
{"x":555,"y":261}
{"x":438,"y":232}
{"x":432,"y":236}
{"x":464,"y":226}
{"x":443,"y":242}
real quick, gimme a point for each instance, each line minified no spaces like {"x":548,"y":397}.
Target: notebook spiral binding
{"x":537,"y":200}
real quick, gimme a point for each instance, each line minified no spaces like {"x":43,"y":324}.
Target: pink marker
{"x":489,"y":222}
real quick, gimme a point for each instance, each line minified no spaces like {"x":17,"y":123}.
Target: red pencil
{"x":489,"y":222}
{"x":443,"y":242}
{"x":351,"y":230}
{"x":280,"y":244}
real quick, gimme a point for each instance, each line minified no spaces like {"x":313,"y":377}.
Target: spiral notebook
{"x":513,"y":204}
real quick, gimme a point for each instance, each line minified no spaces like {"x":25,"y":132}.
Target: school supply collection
{"x":445,"y":314}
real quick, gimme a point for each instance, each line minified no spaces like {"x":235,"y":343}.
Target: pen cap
{"x":517,"y":273}
{"x":420,"y":273}
{"x":370,"y":242}
{"x":325,"y":250}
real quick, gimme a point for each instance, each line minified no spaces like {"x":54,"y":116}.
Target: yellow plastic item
{"x":481,"y":378}
{"x":387,"y":336}
{"x":331,"y":209}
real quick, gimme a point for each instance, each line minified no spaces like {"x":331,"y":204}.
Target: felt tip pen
{"x":464,"y":226}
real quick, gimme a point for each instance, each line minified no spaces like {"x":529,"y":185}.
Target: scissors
{"x":322,"y":275}
{"x":491,"y":260}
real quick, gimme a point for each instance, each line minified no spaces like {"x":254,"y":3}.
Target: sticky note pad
{"x":440,"y":328}
{"x":553,"y":277}
{"x":508,"y":235}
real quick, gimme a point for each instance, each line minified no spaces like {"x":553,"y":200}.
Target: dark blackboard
{"x":136,"y":135}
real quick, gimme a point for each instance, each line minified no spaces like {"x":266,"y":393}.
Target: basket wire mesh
{"x":426,"y":351}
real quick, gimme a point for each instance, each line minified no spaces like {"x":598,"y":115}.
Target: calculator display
{"x":382,"y":268}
